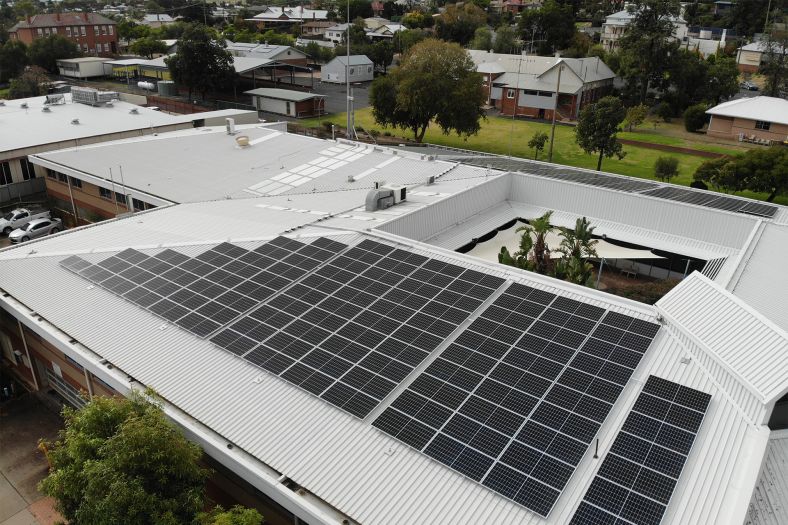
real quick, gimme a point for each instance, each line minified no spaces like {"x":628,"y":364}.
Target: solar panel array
{"x":344,"y":323}
{"x":636,"y":480}
{"x":203,"y":293}
{"x":354,"y":329}
{"x":631,"y":185}
{"x":515,"y":400}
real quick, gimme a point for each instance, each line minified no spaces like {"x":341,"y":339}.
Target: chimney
{"x":85,"y":15}
{"x":29,"y":20}
{"x":57,"y":16}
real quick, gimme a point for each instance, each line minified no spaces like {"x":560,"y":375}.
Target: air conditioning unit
{"x":400,"y":192}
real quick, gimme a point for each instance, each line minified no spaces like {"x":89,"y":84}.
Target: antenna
{"x":114,"y":196}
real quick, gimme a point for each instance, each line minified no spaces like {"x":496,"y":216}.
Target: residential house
{"x":750,"y":57}
{"x":757,"y":119}
{"x":273,"y":16}
{"x":526,"y":85}
{"x":336,"y":33}
{"x":315,"y":28}
{"x":284,"y":54}
{"x":360,"y":69}
{"x":385,"y":32}
{"x":93,"y":33}
{"x":156,"y":20}
{"x":615,"y":27}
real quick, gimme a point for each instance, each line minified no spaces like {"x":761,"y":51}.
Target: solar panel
{"x":357,"y":326}
{"x":515,"y":400}
{"x":203,"y":293}
{"x":711,"y":200}
{"x":636,"y":479}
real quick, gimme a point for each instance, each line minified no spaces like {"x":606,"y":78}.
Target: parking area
{"x":23,"y":421}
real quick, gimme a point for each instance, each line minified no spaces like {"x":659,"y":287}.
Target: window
{"x":104,"y":193}
{"x":106,"y":47}
{"x":84,"y":47}
{"x":138,"y":204}
{"x":40,"y":32}
{"x":119,"y":197}
{"x":77,"y":183}
{"x":62,"y":178}
{"x":369,"y":69}
{"x":352,"y":71}
{"x":28,"y":169}
{"x":96,"y":30}
{"x":52,"y":174}
{"x":98,"y":48}
{"x":5,"y":173}
{"x":762,"y":124}
{"x":84,"y":32}
{"x":509,"y":93}
{"x":68,"y":31}
{"x":111,"y":30}
{"x":103,"y":30}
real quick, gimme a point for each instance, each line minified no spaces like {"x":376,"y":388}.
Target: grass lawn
{"x":494,"y":137}
{"x":4,"y":93}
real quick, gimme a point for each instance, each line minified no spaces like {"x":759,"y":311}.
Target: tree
{"x":579,"y":242}
{"x":25,"y":8}
{"x":597,"y":127}
{"x":537,"y":143}
{"x":550,"y":27}
{"x":404,"y":40}
{"x":539,"y":228}
{"x":723,"y":78}
{"x":13,"y":59}
{"x":435,"y":81}
{"x":482,"y":39}
{"x":458,"y":24}
{"x":718,"y":173}
{"x":358,"y":9}
{"x":381,"y":53}
{"x":202,"y":63}
{"x":235,"y":516}
{"x":45,"y":52}
{"x":29,"y":84}
{"x":148,"y":47}
{"x":521,"y":258}
{"x":665,"y":168}
{"x":635,"y":116}
{"x":505,"y":40}
{"x":417,"y":20}
{"x":774,"y":64}
{"x":695,"y":117}
{"x":763,"y":170}
{"x":121,"y":461}
{"x":647,"y":45}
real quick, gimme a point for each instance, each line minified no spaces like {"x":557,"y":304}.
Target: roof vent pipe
{"x":46,"y":110}
{"x":75,"y":121}
{"x":23,"y":105}
{"x":134,"y":111}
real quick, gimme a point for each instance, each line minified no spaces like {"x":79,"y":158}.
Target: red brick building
{"x":93,"y":33}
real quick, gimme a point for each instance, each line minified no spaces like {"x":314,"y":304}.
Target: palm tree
{"x":578,"y":242}
{"x":520,"y":258}
{"x":541,"y":251}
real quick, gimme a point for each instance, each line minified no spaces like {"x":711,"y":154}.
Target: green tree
{"x":436,"y":81}
{"x":148,"y":47}
{"x":723,"y":78}
{"x":381,"y":53}
{"x":13,"y":59}
{"x":521,"y":258}
{"x":537,"y":143}
{"x":29,"y":84}
{"x":647,"y":45}
{"x":358,"y":9}
{"x":636,"y":115}
{"x":688,"y":80}
{"x":45,"y":52}
{"x":719,"y":174}
{"x":202,"y":63}
{"x":25,"y":8}
{"x":235,"y":516}
{"x":459,"y":23}
{"x":505,"y":40}
{"x":121,"y":461}
{"x":774,"y":64}
{"x":763,"y":170}
{"x":665,"y":168}
{"x":597,"y":127}
{"x":695,"y":117}
{"x":551,"y":26}
{"x":578,"y":242}
{"x":417,"y":20}
{"x":540,"y":256}
{"x":482,"y":39}
{"x":404,"y":40}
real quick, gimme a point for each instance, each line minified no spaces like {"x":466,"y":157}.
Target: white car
{"x":36,"y":228}
{"x":18,"y":218}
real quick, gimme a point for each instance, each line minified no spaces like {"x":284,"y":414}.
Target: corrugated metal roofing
{"x":768,"y":109}
{"x":769,"y":505}
{"x":282,"y":94}
{"x":739,"y":338}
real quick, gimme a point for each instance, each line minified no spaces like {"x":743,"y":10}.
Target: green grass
{"x":494,"y":137}
{"x":4,"y":93}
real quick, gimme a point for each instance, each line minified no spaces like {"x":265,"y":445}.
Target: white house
{"x":336,"y":33}
{"x":289,"y":15}
{"x":359,"y":69}
{"x":615,"y":27}
{"x":154,"y":20}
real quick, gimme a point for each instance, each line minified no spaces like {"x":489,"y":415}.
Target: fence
{"x":175,"y":106}
{"x":227,"y":104}
{"x":17,"y":190}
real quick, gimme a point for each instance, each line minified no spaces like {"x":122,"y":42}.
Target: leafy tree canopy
{"x":537,"y":143}
{"x":202,"y":63}
{"x":148,"y":47}
{"x":550,"y":28}
{"x":29,"y":84}
{"x":435,"y":81}
{"x":761,"y":170}
{"x":459,"y":23}
{"x":597,"y":127}
{"x":665,"y":168}
{"x":45,"y":52}
{"x":235,"y":516}
{"x":13,"y":59}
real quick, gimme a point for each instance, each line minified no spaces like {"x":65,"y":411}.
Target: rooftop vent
{"x":46,"y":110}
{"x":2,"y":103}
{"x":23,"y":105}
{"x":242,"y":141}
{"x":92,"y":97}
{"x":75,"y":121}
{"x":134,"y":111}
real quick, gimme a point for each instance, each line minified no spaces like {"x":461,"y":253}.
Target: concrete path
{"x":22,"y":423}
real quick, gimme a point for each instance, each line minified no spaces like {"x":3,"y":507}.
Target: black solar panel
{"x":711,"y":200}
{"x":516,"y":399}
{"x":203,"y":293}
{"x":358,"y":325}
{"x":636,"y":479}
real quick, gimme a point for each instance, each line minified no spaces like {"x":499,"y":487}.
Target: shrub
{"x":695,"y":117}
{"x":664,"y":111}
{"x":665,"y":168}
{"x":327,"y":125}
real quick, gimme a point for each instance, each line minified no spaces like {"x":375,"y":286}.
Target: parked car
{"x":36,"y":228}
{"x":18,"y":218}
{"x":749,"y":86}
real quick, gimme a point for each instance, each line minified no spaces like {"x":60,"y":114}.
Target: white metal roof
{"x":283,"y":94}
{"x":769,"y":505}
{"x":355,"y":60}
{"x":768,"y":109}
{"x":740,"y":339}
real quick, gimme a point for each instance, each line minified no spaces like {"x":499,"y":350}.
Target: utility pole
{"x":348,"y":133}
{"x":516,"y":101}
{"x":555,"y":110}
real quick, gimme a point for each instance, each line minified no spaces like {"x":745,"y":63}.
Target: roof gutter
{"x":264,"y":478}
